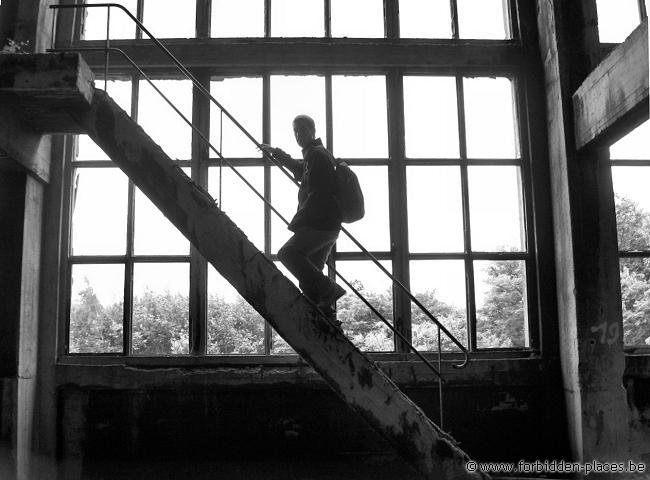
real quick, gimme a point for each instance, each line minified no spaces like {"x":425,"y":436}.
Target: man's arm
{"x":297,"y":167}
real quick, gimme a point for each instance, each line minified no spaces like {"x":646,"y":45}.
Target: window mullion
{"x":397,"y":206}
{"x":130,"y":229}
{"x":469,"y":261}
{"x":266,"y":138}
{"x":203,"y":18}
{"x":198,"y":266}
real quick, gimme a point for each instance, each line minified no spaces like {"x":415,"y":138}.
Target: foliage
{"x":160,"y":320}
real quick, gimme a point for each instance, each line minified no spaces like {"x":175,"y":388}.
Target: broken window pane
{"x":501,"y":304}
{"x":360,"y":324}
{"x":496,"y":209}
{"x":297,"y":18}
{"x":96,"y":309}
{"x":161,"y":122}
{"x":240,"y":18}
{"x":617,"y":19}
{"x":360,"y":127}
{"x":430,"y":117}
{"x":99,"y":212}
{"x":440,"y":286}
{"x":435,"y":209}
{"x":154,"y":233}
{"x":372,"y":231}
{"x":292,"y":96}
{"x":121,"y":25}
{"x":346,"y":17}
{"x":635,"y":291}
{"x":169,"y":18}
{"x":242,"y":97}
{"x":634,"y":145}
{"x":486,"y":19}
{"x":238,"y":201}
{"x":489,"y":118}
{"x":234,"y":327}
{"x":161,"y":308}
{"x":632,"y":207}
{"x":430,"y":19}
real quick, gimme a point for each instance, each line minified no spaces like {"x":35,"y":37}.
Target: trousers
{"x":305,"y":254}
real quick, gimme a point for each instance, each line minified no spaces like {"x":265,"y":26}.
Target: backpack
{"x":348,"y":193}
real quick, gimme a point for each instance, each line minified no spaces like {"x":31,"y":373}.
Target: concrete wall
{"x":517,"y":415}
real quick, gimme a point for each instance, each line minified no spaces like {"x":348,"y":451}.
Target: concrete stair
{"x":352,"y":375}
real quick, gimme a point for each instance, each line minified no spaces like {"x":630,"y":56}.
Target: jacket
{"x":317,"y":206}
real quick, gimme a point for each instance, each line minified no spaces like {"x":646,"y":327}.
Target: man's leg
{"x":304,"y":255}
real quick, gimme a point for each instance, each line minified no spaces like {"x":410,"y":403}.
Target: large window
{"x":440,"y":157}
{"x":630,"y":159}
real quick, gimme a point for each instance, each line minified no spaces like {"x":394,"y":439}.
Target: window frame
{"x":524,"y":89}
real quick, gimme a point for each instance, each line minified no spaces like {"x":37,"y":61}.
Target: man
{"x":317,"y":222}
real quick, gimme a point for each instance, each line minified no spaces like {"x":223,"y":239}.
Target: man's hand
{"x":277,"y":153}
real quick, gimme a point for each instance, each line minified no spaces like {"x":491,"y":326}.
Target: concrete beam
{"x":40,"y":87}
{"x":351,"y":374}
{"x":613,"y":99}
{"x":279,"y":54}
{"x":24,"y":149}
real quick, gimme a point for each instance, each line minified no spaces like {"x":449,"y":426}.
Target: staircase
{"x":352,"y":375}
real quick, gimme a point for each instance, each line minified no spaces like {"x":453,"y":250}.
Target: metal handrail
{"x":206,"y":93}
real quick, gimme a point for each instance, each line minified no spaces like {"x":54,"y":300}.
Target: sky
{"x":359,"y":131}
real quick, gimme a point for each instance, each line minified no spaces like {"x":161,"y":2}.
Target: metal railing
{"x":107,"y":49}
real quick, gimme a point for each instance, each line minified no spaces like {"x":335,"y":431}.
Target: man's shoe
{"x":331,"y":295}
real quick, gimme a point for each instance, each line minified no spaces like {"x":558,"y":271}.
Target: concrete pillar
{"x":21,"y":199}
{"x":588,"y":285}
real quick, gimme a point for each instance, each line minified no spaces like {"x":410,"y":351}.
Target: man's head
{"x":304,"y":130}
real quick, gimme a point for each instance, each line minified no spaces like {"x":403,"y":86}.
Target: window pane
{"x":161,"y":308}
{"x":346,"y":14}
{"x":435,"y":209}
{"x":99,"y":212}
{"x":238,"y":201}
{"x":431,"y":117}
{"x":284,"y":197}
{"x":360,"y":324}
{"x":372,"y":231}
{"x":242,"y":97}
{"x":121,"y":25}
{"x":431,"y":19}
{"x":278,"y":345}
{"x":241,"y":18}
{"x":168,"y":19}
{"x":617,"y":19}
{"x":634,"y":145}
{"x":635,"y":290}
{"x":292,"y":96}
{"x":632,"y":207}
{"x":360,"y":122}
{"x":154,"y":234}
{"x":96,"y":309}
{"x":120,"y":92}
{"x":501,"y":306}
{"x":440,"y":286}
{"x":489,"y":118}
{"x":483,"y":19}
{"x":496,"y":209}
{"x":161,"y":122}
{"x":234,"y":327}
{"x":297,"y":18}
